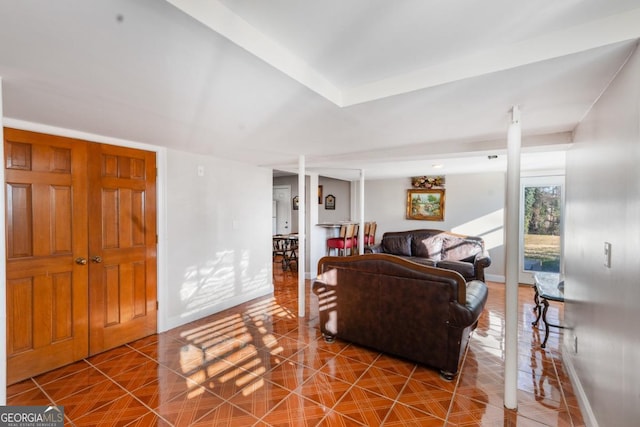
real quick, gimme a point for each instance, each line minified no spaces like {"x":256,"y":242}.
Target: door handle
{"x":81,"y":261}
{"x":96,"y":259}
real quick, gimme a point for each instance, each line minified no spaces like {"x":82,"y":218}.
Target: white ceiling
{"x":389,"y":87}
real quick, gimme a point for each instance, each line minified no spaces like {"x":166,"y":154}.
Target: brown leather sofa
{"x":418,"y":312}
{"x":464,"y":254}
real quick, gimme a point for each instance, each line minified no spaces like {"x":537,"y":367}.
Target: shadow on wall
{"x":490,"y":227}
{"x":220,"y":281}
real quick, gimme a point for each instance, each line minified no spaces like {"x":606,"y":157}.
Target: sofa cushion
{"x":422,"y":261}
{"x":465,"y":268}
{"x":458,"y":249}
{"x":428,"y":247}
{"x":397,"y":245}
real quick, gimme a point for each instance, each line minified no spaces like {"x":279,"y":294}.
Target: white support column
{"x":315,"y":235}
{"x":361,"y":210}
{"x":302,"y":256}
{"x":512,"y":242}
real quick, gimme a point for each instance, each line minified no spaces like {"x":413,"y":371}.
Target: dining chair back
{"x":346,"y":240}
{"x":370,"y":233}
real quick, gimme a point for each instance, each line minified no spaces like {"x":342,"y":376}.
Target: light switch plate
{"x":607,"y":254}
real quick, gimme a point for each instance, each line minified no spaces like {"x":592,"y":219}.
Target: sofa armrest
{"x":480,"y":262}
{"x":467,"y":313}
{"x":477,"y":293}
{"x":374,"y":249}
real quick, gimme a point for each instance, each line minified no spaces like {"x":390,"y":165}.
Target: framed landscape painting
{"x":425,"y":204}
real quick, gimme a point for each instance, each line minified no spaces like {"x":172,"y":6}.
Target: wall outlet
{"x":607,"y":254}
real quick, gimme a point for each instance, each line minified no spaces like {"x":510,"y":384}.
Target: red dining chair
{"x":370,"y":233}
{"x":347,"y":240}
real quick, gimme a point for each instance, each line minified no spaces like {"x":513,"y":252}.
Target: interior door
{"x":282,"y":197}
{"x":122,"y":245}
{"x":81,"y":249}
{"x":46,"y":230}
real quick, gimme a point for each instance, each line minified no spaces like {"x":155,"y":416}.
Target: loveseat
{"x":465,"y":254}
{"x":414,"y":311}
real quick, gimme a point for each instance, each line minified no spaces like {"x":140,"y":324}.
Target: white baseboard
{"x":587,"y":412}
{"x":495,"y":278}
{"x":176,"y":321}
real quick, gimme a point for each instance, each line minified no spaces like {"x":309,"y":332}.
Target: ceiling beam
{"x":601,"y":32}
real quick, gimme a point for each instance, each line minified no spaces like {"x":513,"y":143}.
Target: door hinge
{"x":157,"y":305}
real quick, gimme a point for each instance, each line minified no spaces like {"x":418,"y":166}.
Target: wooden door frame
{"x":161,"y":221}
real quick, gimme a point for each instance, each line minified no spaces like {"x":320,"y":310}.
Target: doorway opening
{"x":541,"y":226}
{"x":281,"y":209}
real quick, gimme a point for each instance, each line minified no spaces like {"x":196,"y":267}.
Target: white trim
{"x":220,"y":19}
{"x":3,"y":272}
{"x":585,"y":407}
{"x":302,"y":230}
{"x":495,"y":278}
{"x":71,"y":133}
{"x":161,"y":179}
{"x":177,"y":321}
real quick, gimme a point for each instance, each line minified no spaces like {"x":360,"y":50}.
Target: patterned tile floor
{"x":258,"y":364}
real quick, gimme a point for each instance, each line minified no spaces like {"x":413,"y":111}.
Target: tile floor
{"x":258,"y":364}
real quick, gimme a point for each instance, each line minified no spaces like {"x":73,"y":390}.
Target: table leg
{"x":536,"y":308}
{"x":546,"y":324}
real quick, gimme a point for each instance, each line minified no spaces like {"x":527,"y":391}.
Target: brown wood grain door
{"x":81,"y":249}
{"x":46,"y":230}
{"x":122,"y":245}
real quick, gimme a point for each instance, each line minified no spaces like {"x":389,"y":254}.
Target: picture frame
{"x":426,"y":204}
{"x":296,"y":203}
{"x":330,"y":202}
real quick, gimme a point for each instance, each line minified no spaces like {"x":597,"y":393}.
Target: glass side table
{"x":548,"y":287}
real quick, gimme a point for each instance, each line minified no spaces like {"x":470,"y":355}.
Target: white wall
{"x":342,"y":192}
{"x":474,"y":205}
{"x":340,"y":189}
{"x":218,"y":236}
{"x":603,"y":205}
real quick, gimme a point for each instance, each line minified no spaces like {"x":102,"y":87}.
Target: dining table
{"x":286,"y":247}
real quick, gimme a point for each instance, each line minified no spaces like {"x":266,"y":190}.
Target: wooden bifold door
{"x":81,"y":249}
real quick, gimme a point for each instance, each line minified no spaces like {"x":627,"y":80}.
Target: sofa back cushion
{"x":461,"y":249}
{"x":427,"y":246}
{"x":331,"y":268}
{"x":397,"y":244}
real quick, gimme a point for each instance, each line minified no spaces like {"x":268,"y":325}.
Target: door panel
{"x":46,"y":211}
{"x":122,"y":288}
